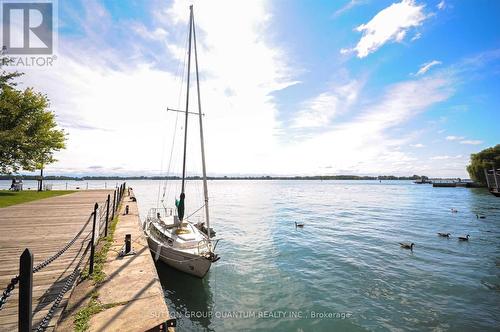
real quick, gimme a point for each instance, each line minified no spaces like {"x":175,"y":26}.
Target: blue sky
{"x":289,"y":87}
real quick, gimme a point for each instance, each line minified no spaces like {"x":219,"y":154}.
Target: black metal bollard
{"x":107,"y":215}
{"x":126,"y":209}
{"x":25,"y":291}
{"x":92,"y":245}
{"x":114,"y":205}
{"x":128,"y":243}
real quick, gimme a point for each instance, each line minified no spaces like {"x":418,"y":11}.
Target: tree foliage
{"x":485,"y":159}
{"x":28,"y":130}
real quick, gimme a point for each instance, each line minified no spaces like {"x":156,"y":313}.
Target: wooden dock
{"x":130,"y":295}
{"x":493,"y":180}
{"x":44,"y":226}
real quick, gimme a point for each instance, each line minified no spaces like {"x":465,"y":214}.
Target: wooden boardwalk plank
{"x":44,"y":226}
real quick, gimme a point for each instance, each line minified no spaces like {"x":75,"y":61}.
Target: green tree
{"x":485,"y":159}
{"x":28,"y":130}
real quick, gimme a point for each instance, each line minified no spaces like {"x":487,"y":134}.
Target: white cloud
{"x":321,"y":110}
{"x":128,"y":96}
{"x":424,"y":68}
{"x":454,"y":138}
{"x":446,"y":157}
{"x":471,"y":142}
{"x":418,"y":145}
{"x":347,"y":7}
{"x":441,"y":5}
{"x":365,"y":144}
{"x":391,"y":23}
{"x":418,"y":35}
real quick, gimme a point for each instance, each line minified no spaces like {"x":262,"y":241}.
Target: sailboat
{"x":173,"y":238}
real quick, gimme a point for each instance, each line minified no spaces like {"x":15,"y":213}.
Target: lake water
{"x":344,"y":270}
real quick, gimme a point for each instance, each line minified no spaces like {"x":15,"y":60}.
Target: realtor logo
{"x":27,"y":27}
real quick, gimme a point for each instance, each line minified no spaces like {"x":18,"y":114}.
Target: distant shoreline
{"x":317,"y":177}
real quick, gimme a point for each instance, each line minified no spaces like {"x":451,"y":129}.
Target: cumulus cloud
{"x":424,"y":68}
{"x":418,"y":145}
{"x":390,"y":24}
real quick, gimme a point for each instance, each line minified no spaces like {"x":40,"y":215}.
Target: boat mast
{"x":205,"y":187}
{"x":187,"y":100}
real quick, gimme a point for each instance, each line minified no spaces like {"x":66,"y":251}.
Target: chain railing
{"x":101,"y":215}
{"x":7,"y":292}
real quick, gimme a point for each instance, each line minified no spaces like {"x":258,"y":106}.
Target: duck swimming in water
{"x":454,"y":210}
{"x":407,"y":245}
{"x":444,"y":234}
{"x":466,"y":238}
{"x":480,"y":216}
{"x":299,"y":224}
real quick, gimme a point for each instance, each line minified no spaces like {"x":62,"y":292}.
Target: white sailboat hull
{"x":195,"y":265}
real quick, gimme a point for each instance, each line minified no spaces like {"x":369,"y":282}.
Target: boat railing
{"x":204,"y":243}
{"x":160,"y":212}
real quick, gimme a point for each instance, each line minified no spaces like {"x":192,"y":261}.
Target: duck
{"x":454,"y":210}
{"x":407,"y":245}
{"x":478,"y":216}
{"x":444,"y":234}
{"x":462,"y":238}
{"x":299,"y":224}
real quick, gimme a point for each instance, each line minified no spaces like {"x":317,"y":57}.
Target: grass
{"x":82,"y":318}
{"x":8,"y":198}
{"x":100,"y":255}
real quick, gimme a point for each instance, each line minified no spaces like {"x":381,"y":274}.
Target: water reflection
{"x":189,"y":299}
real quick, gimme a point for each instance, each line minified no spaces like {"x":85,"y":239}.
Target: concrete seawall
{"x":130,"y":297}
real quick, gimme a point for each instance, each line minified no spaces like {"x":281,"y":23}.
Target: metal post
{"x":25,"y":291}
{"x":128,"y":243}
{"x":87,"y":186}
{"x":202,"y":142}
{"x":486,"y":176}
{"x":107,"y":215}
{"x":114,"y":205}
{"x":92,"y":245}
{"x":66,"y":185}
{"x":495,"y":176}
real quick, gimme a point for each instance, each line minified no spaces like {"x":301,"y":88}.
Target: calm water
{"x":345,"y":262}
